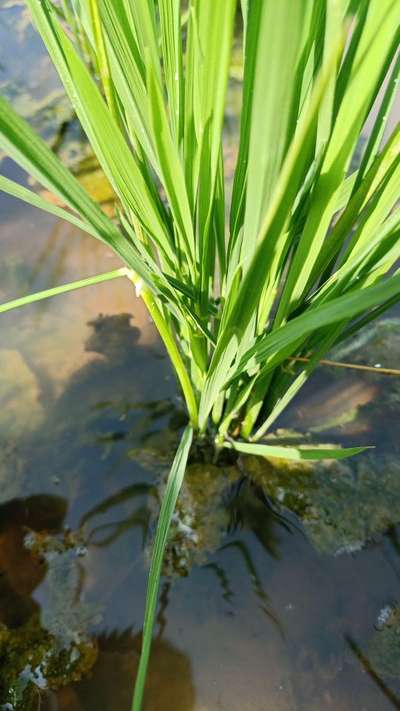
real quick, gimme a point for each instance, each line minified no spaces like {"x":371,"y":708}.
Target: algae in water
{"x":383,"y":649}
{"x":201,"y":516}
{"x":66,"y":615}
{"x":31,"y":661}
{"x":342,"y":505}
{"x":54,"y":647}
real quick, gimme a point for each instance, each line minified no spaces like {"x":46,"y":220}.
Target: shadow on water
{"x":169,"y":688}
{"x":104,"y":534}
{"x":19,"y":573}
{"x":241,"y":576}
{"x":103,"y":446}
{"x":82,"y":449}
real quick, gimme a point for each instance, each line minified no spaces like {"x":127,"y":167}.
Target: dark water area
{"x":282,"y":585}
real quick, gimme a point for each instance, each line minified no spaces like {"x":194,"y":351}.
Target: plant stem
{"x":171,"y":347}
{"x":102,"y":58}
{"x":351,"y":366}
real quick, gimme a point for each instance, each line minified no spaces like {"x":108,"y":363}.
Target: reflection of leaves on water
{"x":138,"y":519}
{"x":252,"y":510}
{"x":98,"y":419}
{"x":246,"y":556}
{"x":369,"y":668}
{"x":163,"y":602}
{"x":247,"y":511}
{"x":126,"y":494}
{"x":223,"y":579}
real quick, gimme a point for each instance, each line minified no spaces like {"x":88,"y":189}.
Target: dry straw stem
{"x":378,"y":370}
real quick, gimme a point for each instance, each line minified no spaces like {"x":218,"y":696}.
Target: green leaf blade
{"x":296,"y":453}
{"x":174,"y":483}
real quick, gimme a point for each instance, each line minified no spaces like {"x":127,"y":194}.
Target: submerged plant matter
{"x":52,"y":649}
{"x":309,"y":252}
{"x":383,"y":649}
{"x":32,"y":662}
{"x":342,"y":507}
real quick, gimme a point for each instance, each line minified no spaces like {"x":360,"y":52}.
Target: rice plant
{"x":309,"y":251}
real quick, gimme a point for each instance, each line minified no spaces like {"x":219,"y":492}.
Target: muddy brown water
{"x":273,"y":613}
